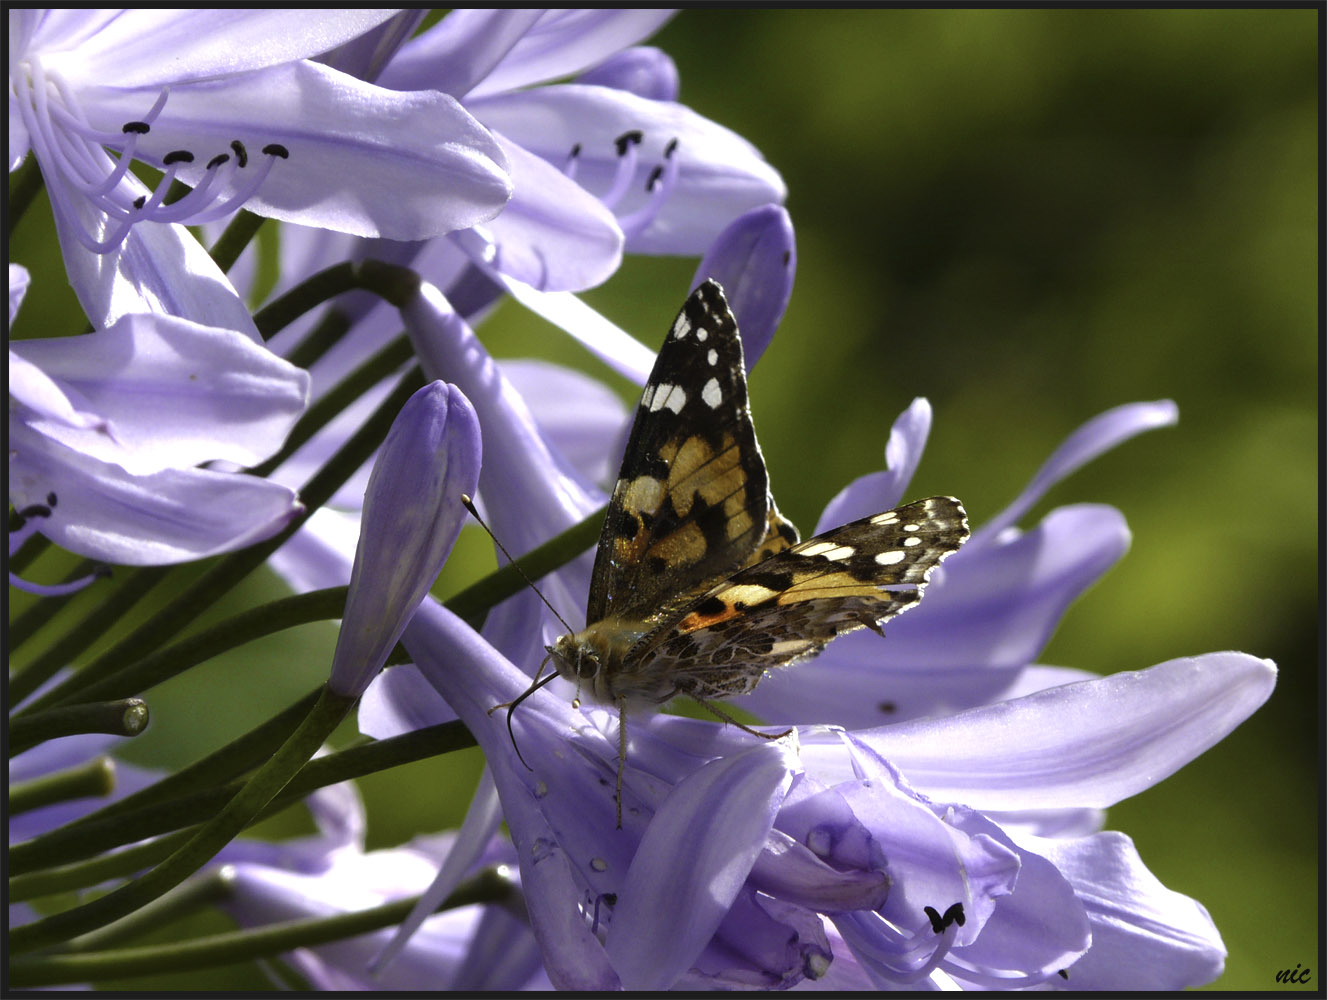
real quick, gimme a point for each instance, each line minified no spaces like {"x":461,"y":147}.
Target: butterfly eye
{"x":587,"y":663}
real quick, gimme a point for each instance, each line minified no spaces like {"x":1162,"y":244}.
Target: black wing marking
{"x":692,"y":501}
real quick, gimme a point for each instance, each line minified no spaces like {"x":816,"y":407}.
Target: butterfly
{"x":700,"y":585}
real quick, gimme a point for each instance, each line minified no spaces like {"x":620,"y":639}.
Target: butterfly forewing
{"x":692,"y":500}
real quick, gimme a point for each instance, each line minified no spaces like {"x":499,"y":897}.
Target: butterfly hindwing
{"x":789,"y":606}
{"x":692,"y":500}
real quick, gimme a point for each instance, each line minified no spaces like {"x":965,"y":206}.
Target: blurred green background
{"x":1027,"y":217}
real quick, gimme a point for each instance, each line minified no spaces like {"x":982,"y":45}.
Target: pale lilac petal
{"x":150,"y":48}
{"x":19,"y":142}
{"x":754,"y":259}
{"x":578,"y":416}
{"x":642,"y":70}
{"x":995,"y":610}
{"x":1087,"y":744}
{"x":1144,"y":936}
{"x":762,"y":943}
{"x":176,"y":393}
{"x":47,"y":402}
{"x":412,"y":515}
{"x":1040,"y":927}
{"x":399,"y":701}
{"x":720,"y":175}
{"x":362,"y":159}
{"x":618,"y":349}
{"x":692,"y":861}
{"x":158,"y":268}
{"x":365,"y":57}
{"x":880,"y":491}
{"x":564,"y":42}
{"x":1098,"y":435}
{"x":788,"y":870}
{"x":553,"y":235}
{"x":172,"y":516}
{"x":319,"y":554}
{"x":458,"y":51}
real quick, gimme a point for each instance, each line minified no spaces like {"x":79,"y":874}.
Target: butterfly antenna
{"x":470,"y":506}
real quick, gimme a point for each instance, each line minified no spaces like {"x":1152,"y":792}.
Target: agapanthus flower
{"x":107,"y":430}
{"x":908,"y":837}
{"x":228,"y":102}
{"x":607,"y":163}
{"x":473,"y":947}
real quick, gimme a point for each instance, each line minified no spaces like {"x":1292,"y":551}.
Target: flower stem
{"x":126,"y":717}
{"x":93,"y":778}
{"x":389,"y":281}
{"x":22,"y":628}
{"x":94,"y":871}
{"x":270,"y":779}
{"x":489,"y":886}
{"x":243,"y":228}
{"x":117,"y":825}
{"x":133,"y":588}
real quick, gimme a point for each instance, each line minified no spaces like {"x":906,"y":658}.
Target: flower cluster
{"x":929,"y":810}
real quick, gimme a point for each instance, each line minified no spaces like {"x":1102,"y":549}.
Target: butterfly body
{"x":699,"y":585}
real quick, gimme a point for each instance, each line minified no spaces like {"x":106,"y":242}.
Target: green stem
{"x":93,"y":778}
{"x":96,"y":833}
{"x":24,"y":185}
{"x":94,"y":871}
{"x":275,"y":616}
{"x":132,"y":589}
{"x":336,"y":401}
{"x":22,"y":628}
{"x":243,"y":228}
{"x":28,"y":552}
{"x":205,"y":889}
{"x":126,"y":717}
{"x":238,"y":946}
{"x":214,"y":835}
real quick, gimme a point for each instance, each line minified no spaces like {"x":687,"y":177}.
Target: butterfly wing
{"x":692,"y":500}
{"x":791,"y":605}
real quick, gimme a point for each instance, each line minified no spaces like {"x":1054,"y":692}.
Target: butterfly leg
{"x":725,"y":717}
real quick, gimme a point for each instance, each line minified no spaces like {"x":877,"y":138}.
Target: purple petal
{"x":692,"y":861}
{"x":585,"y":434}
{"x":1087,"y":744}
{"x":151,"y":48}
{"x":564,"y":42}
{"x":1144,"y":936}
{"x":19,"y":279}
{"x":720,"y":175}
{"x":553,"y":235}
{"x":642,"y":70}
{"x":399,"y":701}
{"x":762,"y":943}
{"x":176,"y":393}
{"x":754,"y":259}
{"x":988,"y":616}
{"x":458,"y":51}
{"x":49,"y":404}
{"x":362,"y":159}
{"x":168,"y":517}
{"x":412,"y":515}
{"x":157,"y":269}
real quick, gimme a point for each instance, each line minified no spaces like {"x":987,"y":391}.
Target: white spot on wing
{"x":914,"y":540}
{"x":665,"y":396}
{"x":713,"y":357}
{"x":681,"y":328}
{"x":888,"y":517}
{"x":889,"y":558}
{"x":712,"y":394}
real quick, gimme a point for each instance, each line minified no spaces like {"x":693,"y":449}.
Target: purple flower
{"x":608,"y":163}
{"x":107,"y":430}
{"x":412,"y":515}
{"x":913,"y":839}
